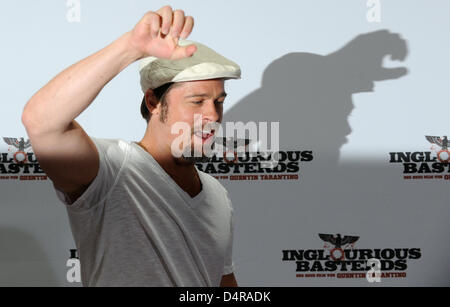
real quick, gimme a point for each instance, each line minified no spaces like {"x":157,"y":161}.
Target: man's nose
{"x":212,"y":111}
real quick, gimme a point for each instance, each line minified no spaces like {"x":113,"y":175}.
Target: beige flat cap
{"x":204,"y":64}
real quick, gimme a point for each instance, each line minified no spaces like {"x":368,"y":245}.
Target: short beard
{"x":193,"y":160}
{"x":187,"y":157}
{"x":183,"y":160}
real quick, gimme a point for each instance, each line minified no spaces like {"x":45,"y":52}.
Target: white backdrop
{"x":314,"y":66}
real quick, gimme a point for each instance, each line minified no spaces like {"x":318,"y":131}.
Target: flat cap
{"x":204,"y":64}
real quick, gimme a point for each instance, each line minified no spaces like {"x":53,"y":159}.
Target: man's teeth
{"x":203,"y":134}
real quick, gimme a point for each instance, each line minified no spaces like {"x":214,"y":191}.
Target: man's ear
{"x":151,"y":102}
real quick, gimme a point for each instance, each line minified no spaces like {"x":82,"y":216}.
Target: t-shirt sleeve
{"x":229,"y":264}
{"x":112,"y":153}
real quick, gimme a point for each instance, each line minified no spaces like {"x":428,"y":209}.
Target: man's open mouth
{"x":204,"y":135}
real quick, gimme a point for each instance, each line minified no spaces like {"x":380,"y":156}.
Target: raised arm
{"x":65,"y":152}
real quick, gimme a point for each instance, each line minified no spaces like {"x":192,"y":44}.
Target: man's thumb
{"x":184,"y":52}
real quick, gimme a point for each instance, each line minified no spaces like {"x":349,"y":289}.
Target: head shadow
{"x":310,"y":95}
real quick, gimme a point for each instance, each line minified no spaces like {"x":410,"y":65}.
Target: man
{"x":140,"y":215}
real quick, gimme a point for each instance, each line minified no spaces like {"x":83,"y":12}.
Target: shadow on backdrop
{"x":311,"y":96}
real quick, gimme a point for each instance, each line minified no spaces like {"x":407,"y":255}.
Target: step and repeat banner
{"x":356,"y":93}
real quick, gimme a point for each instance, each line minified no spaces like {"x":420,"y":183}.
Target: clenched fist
{"x":157,"y":34}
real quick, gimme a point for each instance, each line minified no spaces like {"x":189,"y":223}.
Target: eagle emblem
{"x":338,"y":241}
{"x":443,"y":155}
{"x":441,"y":142}
{"x":20,"y":156}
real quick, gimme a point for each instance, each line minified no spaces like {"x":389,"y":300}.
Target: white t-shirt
{"x":134,"y":226}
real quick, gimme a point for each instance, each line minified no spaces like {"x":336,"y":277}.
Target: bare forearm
{"x":63,"y":98}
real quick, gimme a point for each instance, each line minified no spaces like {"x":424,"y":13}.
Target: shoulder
{"x":111,"y":144}
{"x":112,"y":154}
{"x":110,"y":150}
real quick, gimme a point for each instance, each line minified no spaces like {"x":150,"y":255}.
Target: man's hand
{"x":157,"y":34}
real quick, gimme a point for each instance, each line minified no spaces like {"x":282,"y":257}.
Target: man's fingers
{"x":178,"y":22}
{"x":165,"y":22}
{"x":188,"y":26}
{"x":168,"y":21}
{"x":151,"y":22}
{"x":155,"y":24}
{"x":167,"y":18}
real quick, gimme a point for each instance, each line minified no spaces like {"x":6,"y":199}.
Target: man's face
{"x":188,"y":100}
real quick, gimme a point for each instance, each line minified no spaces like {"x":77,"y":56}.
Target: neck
{"x":164,"y":157}
{"x":181,"y":171}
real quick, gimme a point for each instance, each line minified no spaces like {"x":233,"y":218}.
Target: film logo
{"x":257,"y":166}
{"x":340,"y":259}
{"x":433,"y":164}
{"x":19,"y":162}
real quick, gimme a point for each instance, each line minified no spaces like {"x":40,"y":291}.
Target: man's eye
{"x":201,"y":101}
